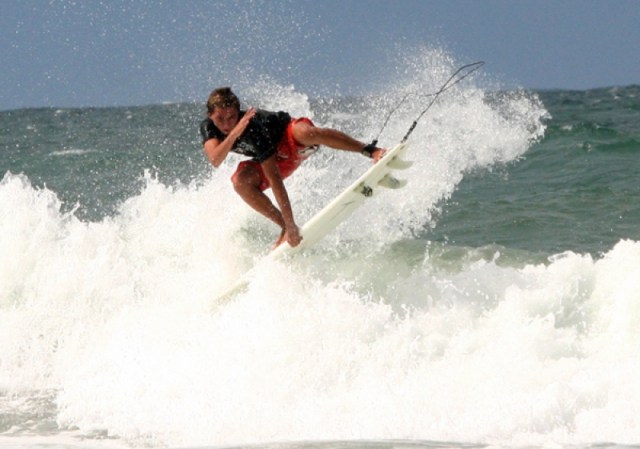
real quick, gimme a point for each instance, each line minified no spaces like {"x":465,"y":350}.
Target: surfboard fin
{"x":400,"y":164}
{"x":366,"y":191}
{"x":392,"y":183}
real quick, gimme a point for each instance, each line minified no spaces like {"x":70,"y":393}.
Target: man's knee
{"x":246,"y":177}
{"x":306,"y":133}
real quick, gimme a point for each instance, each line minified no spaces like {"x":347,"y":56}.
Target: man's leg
{"x":246,"y":182}
{"x":307,"y":134}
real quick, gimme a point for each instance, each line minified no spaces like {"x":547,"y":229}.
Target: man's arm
{"x":218,"y":151}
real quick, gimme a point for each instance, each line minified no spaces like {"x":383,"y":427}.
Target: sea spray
{"x":375,"y":333}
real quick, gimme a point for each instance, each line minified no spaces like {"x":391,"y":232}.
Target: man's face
{"x":225,"y":118}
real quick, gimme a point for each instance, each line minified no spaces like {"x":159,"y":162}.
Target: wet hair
{"x":222,"y":97}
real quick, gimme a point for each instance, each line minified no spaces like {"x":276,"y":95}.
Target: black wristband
{"x":369,"y":149}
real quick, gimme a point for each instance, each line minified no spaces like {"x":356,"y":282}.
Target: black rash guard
{"x":259,"y":140}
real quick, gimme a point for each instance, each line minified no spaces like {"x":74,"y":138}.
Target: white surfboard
{"x":376,"y":177}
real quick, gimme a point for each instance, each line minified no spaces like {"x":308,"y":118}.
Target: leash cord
{"x":454,"y":79}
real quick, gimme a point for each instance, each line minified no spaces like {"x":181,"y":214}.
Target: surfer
{"x":277,"y":145}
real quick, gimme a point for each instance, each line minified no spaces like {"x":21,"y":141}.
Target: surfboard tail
{"x":400,"y":164}
{"x":391,"y":182}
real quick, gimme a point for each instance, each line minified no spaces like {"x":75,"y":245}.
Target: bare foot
{"x":281,"y":239}
{"x":293,"y":236}
{"x":378,"y":154}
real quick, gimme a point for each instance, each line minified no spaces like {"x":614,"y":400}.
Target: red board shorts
{"x":289,"y":156}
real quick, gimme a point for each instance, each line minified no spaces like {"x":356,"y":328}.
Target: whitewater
{"x":380,"y":336}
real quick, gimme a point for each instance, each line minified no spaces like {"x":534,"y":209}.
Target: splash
{"x":371,"y":335}
{"x":502,"y":355}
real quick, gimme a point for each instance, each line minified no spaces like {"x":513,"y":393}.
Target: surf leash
{"x":454,"y":79}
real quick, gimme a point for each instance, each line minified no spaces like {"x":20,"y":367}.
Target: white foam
{"x":114,"y":315}
{"x":72,"y":152}
{"x":486,"y":354}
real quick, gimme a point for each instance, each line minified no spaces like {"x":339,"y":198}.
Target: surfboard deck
{"x":378,"y":176}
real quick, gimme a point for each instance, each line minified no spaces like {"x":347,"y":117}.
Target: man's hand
{"x":244,"y":122}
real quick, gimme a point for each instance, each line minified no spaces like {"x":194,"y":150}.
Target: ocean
{"x":493,"y":302}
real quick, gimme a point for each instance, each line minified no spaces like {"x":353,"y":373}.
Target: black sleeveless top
{"x":259,"y":140}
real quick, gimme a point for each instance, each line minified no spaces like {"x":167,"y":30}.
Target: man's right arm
{"x":217,"y":150}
